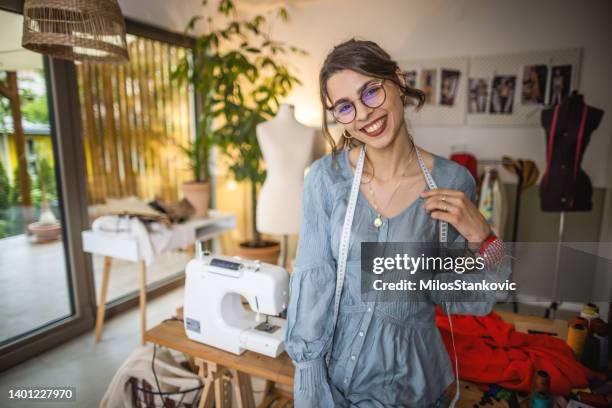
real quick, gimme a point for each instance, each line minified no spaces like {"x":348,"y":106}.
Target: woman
{"x":382,"y":354}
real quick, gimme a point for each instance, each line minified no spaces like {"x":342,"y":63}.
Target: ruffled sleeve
{"x":469,"y":302}
{"x":311,"y":296}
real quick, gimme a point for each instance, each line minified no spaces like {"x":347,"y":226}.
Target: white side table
{"x":120,"y":246}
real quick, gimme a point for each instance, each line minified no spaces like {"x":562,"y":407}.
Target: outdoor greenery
{"x":239,"y":75}
{"x":43,"y":185}
{"x":33,"y":104}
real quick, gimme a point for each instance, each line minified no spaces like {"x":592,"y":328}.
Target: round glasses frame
{"x":363,"y":100}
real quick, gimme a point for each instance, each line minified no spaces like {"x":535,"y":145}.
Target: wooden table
{"x":120,"y":246}
{"x":214,"y":365}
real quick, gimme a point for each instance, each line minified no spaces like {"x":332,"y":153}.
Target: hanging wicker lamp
{"x":79,"y":30}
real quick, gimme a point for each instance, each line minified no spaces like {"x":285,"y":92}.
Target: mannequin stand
{"x":552,"y":309}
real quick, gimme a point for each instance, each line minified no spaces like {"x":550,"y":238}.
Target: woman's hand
{"x":458,"y":210}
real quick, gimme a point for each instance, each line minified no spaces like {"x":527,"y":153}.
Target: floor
{"x":84,"y":364}
{"x":33,"y":285}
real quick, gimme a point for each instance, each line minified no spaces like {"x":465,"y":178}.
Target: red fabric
{"x":491,"y":351}
{"x":468,"y":161}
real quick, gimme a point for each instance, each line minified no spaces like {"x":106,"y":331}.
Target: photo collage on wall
{"x":540,"y":84}
{"x":428,"y":80}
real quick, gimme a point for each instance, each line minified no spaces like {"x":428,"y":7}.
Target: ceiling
{"x":13,"y":57}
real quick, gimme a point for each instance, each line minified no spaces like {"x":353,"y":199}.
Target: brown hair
{"x":367,"y":58}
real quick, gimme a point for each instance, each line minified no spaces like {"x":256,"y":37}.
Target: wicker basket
{"x":143,"y":396}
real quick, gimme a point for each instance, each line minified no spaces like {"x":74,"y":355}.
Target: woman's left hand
{"x":458,"y":210}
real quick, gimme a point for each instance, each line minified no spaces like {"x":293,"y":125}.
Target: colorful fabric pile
{"x":491,"y":351}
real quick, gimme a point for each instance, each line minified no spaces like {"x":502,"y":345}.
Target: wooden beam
{"x":11,"y":91}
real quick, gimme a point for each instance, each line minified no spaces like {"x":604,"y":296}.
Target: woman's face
{"x":376,"y":127}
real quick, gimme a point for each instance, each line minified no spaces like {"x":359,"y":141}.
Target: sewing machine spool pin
{"x":201,"y":250}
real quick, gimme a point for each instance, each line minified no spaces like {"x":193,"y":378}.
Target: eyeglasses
{"x":373,"y":95}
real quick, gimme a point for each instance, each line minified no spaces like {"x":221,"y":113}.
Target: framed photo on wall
{"x":449,"y":85}
{"x":411,"y":78}
{"x":478,"y":95}
{"x":502,"y":94}
{"x":535,"y":79}
{"x":560,"y":83}
{"x":429,"y":82}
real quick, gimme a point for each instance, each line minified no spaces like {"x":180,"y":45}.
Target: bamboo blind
{"x":134,"y":116}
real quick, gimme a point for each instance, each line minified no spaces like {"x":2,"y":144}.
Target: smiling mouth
{"x":376,"y":127}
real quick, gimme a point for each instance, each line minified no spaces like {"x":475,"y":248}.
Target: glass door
{"x":38,"y":244}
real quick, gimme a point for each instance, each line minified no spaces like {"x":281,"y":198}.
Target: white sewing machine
{"x":213,"y":309}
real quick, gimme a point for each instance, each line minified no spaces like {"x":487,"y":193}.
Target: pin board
{"x":492,"y":90}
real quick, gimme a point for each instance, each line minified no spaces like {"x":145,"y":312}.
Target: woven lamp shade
{"x":79,"y":30}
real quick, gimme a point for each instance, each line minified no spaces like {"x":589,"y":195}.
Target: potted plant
{"x":238,"y":73}
{"x":47,"y":228}
{"x":197,"y":191}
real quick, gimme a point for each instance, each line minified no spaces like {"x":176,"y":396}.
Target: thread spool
{"x":590,"y":307}
{"x":541,"y":383}
{"x":539,"y":400}
{"x":576,"y":336}
{"x":589,"y":315}
{"x":580,"y":320}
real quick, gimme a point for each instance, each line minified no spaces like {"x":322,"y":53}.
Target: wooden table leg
{"x":273,"y":396}
{"x":243,"y":389}
{"x":222,"y":389}
{"x":207,"y":399}
{"x":143,"y":301}
{"x":215,"y":383}
{"x":102,"y":299}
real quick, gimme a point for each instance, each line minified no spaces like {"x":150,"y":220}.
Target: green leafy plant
{"x":239,"y":75}
{"x":44,"y":184}
{"x":5,"y":188}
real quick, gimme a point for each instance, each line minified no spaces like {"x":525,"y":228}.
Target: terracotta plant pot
{"x":198,"y":195}
{"x":44,"y":233}
{"x":268,"y":252}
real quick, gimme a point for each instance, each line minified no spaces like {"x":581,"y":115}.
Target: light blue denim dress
{"x":384,"y":354}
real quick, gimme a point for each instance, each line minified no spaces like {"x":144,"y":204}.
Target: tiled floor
{"x":84,"y":364}
{"x":33,"y":285}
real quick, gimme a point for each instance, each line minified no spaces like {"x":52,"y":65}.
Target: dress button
{"x":369,"y":309}
{"x":360,"y":334}
{"x":353,"y":357}
{"x":346,"y":380}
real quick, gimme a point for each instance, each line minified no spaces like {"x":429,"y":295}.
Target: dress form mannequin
{"x":287,"y":148}
{"x":566,"y":187}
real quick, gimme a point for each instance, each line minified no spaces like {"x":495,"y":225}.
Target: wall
{"x":173,"y":15}
{"x":413,"y":29}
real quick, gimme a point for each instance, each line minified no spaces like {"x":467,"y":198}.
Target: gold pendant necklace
{"x":378,"y":222}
